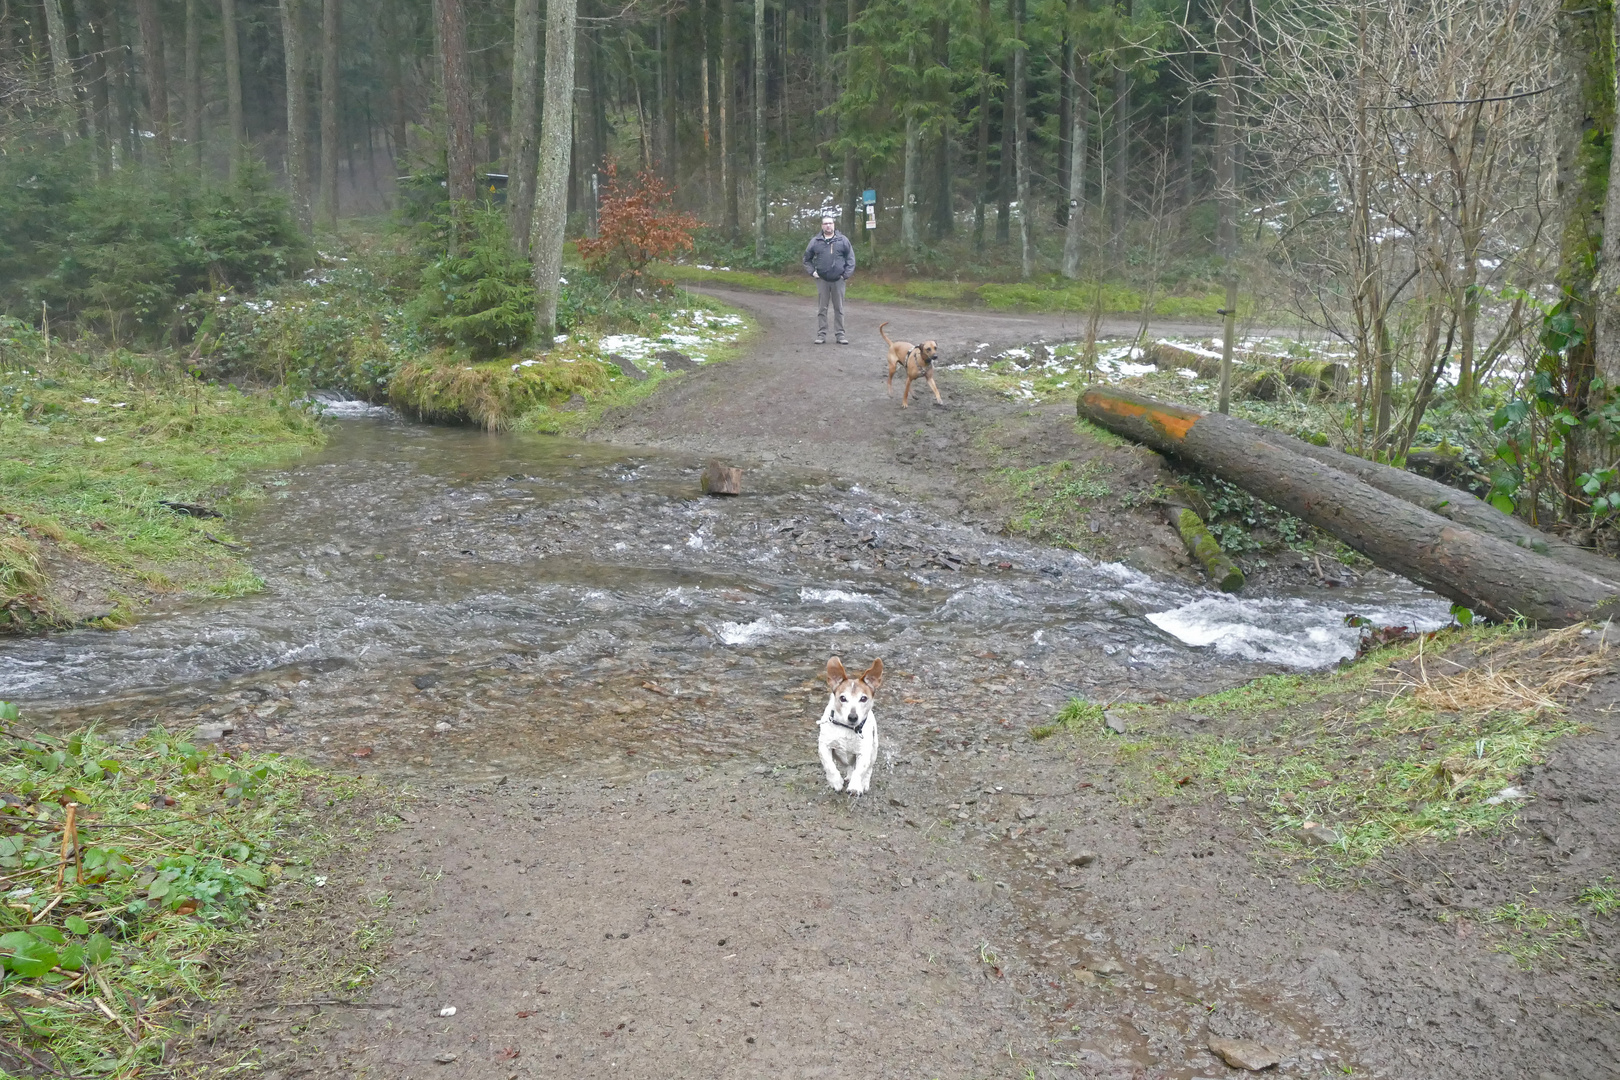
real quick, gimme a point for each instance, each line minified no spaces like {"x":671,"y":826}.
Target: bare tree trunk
{"x":551,"y":189}
{"x":120,"y":93}
{"x":61,"y":67}
{"x":1225,"y":190}
{"x":761,"y":204}
{"x":982,"y":162}
{"x":1606,"y":352}
{"x":908,"y":194}
{"x":98,"y":106}
{"x":233,"y":85}
{"x":1587,"y":115}
{"x":708,"y":119}
{"x":1066,"y":51}
{"x":852,"y":215}
{"x":1120,"y":160}
{"x":457,"y":106}
{"x":193,"y":96}
{"x":1021,"y":144}
{"x":731,"y":224}
{"x":329,"y":111}
{"x":824,"y":88}
{"x":944,"y":193}
{"x":157,"y":79}
{"x":1005,"y":180}
{"x":525,"y":84}
{"x":1079,"y":143}
{"x":292,"y":37}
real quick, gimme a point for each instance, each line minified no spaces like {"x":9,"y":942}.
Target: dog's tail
{"x":881,"y":325}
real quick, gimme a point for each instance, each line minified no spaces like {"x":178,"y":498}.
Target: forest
{"x":1420,"y":190}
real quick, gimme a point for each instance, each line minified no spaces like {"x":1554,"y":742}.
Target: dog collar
{"x":856,"y":728}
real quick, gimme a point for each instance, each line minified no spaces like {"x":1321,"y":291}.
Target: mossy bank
{"x":118,"y":475}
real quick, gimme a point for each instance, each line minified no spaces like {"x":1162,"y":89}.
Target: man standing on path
{"x":830,"y":258}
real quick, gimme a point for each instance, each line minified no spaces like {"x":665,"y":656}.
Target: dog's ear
{"x":835,"y":672}
{"x":873,"y":676}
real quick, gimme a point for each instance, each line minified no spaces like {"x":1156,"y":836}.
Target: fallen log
{"x":1223,"y":573}
{"x":1450,"y":503}
{"x":1489,"y":575}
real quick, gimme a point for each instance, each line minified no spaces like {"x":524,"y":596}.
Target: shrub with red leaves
{"x":636,"y":225}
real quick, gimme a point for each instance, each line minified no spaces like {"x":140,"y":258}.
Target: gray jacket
{"x":832,"y":259}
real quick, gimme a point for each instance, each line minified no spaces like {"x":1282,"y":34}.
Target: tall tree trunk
{"x":852,"y":214}
{"x":1066,"y":51}
{"x":1021,"y":144}
{"x":731,"y":223}
{"x":329,"y":110}
{"x":1226,"y":189}
{"x":233,"y":85}
{"x":99,"y":88}
{"x":120,"y":91}
{"x":61,"y":67}
{"x":1121,"y":160}
{"x":908,"y":193}
{"x":982,"y":156}
{"x":760,"y":201}
{"x":708,"y":119}
{"x":292,"y":37}
{"x":944,"y":210}
{"x":394,"y":78}
{"x":1606,"y":355}
{"x":1005,"y":178}
{"x":525,"y":85}
{"x":1079,"y":143}
{"x":1586,"y":125}
{"x":457,"y":92}
{"x":824,"y":89}
{"x":193,"y":95}
{"x":157,"y":78}
{"x":551,"y":189}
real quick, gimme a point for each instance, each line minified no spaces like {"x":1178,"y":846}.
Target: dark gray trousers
{"x":829,"y":292}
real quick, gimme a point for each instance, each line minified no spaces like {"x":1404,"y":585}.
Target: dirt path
{"x":993,"y":909}
{"x":816,"y":406}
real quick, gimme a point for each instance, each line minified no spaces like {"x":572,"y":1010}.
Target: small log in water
{"x":1490,"y":575}
{"x":721,"y":479}
{"x":1223,"y":573}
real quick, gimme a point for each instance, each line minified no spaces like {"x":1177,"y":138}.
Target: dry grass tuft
{"x":1536,"y":675}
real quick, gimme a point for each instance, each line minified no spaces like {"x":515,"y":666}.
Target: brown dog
{"x":919,"y":363}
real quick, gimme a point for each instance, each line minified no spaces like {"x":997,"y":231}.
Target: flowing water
{"x":446,"y":599}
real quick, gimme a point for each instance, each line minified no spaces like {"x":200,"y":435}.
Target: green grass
{"x":91,"y":442}
{"x":174,"y":845}
{"x":1055,"y":500}
{"x":1379,"y":757}
{"x":1050,"y":295}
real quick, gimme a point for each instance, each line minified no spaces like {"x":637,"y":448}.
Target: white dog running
{"x":848,"y":727}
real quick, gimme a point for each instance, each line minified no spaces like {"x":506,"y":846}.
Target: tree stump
{"x":721,"y":479}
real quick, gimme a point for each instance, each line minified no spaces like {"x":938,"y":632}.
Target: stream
{"x":471,"y":603}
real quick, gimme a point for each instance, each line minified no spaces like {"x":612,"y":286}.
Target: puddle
{"x":447,"y":599}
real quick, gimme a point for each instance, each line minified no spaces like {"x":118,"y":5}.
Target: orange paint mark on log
{"x":1174,"y":423}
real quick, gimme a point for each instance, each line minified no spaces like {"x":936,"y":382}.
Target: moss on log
{"x":1223,"y":573}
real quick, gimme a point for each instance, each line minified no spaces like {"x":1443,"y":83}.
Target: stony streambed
{"x":449,"y":600}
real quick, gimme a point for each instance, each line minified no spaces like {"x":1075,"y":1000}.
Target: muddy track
{"x":671,"y":890}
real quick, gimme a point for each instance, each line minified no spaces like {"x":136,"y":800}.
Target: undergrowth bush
{"x":120,"y":255}
{"x":480,"y":298}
